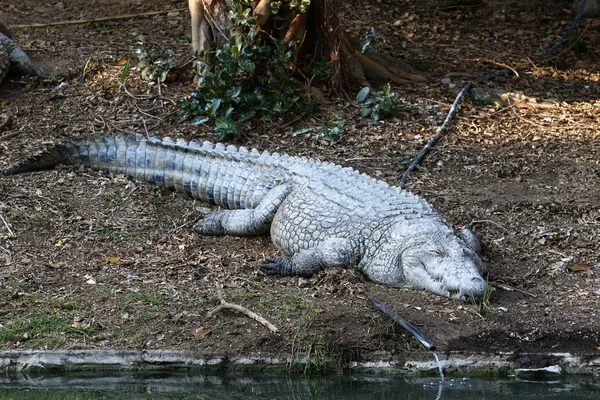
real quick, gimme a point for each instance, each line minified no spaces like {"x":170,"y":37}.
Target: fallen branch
{"x":230,"y":306}
{"x":419,"y":158}
{"x":550,"y":52}
{"x":444,"y":127}
{"x":10,"y":232}
{"x":508,"y":288}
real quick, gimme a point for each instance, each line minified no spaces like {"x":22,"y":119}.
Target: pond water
{"x":214,"y":386}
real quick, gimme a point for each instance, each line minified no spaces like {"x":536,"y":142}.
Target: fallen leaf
{"x":200,"y":332}
{"x":579,"y":268}
{"x":113,"y":260}
{"x":318,"y":310}
{"x":59,"y":243}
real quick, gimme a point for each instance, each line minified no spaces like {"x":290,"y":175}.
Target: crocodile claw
{"x":281,"y":266}
{"x":211,"y":225}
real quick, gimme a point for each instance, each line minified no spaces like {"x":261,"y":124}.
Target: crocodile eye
{"x":438,"y":252}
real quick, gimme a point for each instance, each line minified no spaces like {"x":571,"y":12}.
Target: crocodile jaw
{"x":452,"y":270}
{"x":461,"y":282}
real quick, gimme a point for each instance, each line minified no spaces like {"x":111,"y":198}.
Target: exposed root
{"x":326,"y":36}
{"x":352,"y":65}
{"x":297,"y":30}
{"x":263,"y":12}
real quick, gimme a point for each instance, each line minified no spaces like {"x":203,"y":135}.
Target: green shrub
{"x":252,"y":76}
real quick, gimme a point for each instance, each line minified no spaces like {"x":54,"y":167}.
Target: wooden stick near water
{"x":405,"y":324}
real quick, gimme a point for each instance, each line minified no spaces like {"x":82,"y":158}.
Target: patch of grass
{"x":223,"y":337}
{"x":40,"y":328}
{"x":114,"y":332}
{"x":110,"y":232}
{"x":63,"y":203}
{"x":123,"y":304}
{"x":148,"y":316}
{"x":144,"y":297}
{"x":310,"y":355}
{"x":483,"y":303}
{"x":110,"y":196}
{"x":37,"y":219}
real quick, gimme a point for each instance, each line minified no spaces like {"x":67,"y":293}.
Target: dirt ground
{"x":93,"y":261}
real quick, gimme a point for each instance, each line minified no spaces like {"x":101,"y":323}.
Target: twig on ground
{"x":10,"y":232}
{"x":251,"y":314}
{"x":486,"y":221}
{"x":511,"y":289}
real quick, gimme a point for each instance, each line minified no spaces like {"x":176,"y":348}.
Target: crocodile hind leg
{"x":256,"y":221}
{"x":333,"y":252}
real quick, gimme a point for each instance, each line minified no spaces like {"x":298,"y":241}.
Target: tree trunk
{"x":316,"y":31}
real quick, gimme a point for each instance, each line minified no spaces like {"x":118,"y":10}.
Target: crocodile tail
{"x":49,"y":159}
{"x":214,"y":173}
{"x":105,"y":153}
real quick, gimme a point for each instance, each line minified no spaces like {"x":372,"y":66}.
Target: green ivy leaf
{"x":199,"y":120}
{"x":363,"y":94}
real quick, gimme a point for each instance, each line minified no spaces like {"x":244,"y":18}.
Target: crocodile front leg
{"x":334,"y":252}
{"x":244,"y":222}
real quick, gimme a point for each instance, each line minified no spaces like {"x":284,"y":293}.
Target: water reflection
{"x":215,"y":386}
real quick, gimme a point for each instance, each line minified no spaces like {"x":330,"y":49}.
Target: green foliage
{"x":39,"y":328}
{"x":252,"y":77}
{"x":311,"y":356}
{"x":332,"y":130}
{"x":110,"y":232}
{"x":110,"y":196}
{"x":371,"y":38}
{"x":297,"y":6}
{"x":154,"y":63}
{"x":378,"y":105}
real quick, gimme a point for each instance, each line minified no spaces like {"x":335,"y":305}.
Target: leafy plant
{"x":252,"y":77}
{"x":378,"y":105}
{"x":370,"y":39}
{"x":332,"y":130}
{"x":154,"y":63}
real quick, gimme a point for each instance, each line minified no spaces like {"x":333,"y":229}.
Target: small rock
{"x":302,"y":282}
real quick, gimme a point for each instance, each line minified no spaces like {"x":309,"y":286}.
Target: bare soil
{"x":94,"y":261}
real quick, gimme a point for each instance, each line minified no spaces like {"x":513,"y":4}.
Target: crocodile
{"x":319,"y":214}
{"x":13,"y":58}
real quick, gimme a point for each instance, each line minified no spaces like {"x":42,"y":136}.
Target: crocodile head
{"x":432,"y":256}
